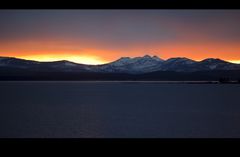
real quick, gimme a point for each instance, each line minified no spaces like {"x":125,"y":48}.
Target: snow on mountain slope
{"x":146,"y":60}
{"x":180,"y":64}
{"x":122,"y":61}
{"x":132,"y":65}
{"x":136,"y":65}
{"x":216,"y":64}
{"x":181,"y":60}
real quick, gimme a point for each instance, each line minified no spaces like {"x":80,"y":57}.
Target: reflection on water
{"x":117,"y":109}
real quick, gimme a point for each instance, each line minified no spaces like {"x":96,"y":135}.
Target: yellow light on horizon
{"x":235,"y":61}
{"x":91,"y":60}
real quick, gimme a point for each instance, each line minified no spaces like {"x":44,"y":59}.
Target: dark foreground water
{"x":117,"y":109}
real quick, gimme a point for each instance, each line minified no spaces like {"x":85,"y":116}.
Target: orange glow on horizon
{"x":90,"y":60}
{"x":99,"y":37}
{"x":235,"y":61}
{"x":82,"y":59}
{"x":93,"y":53}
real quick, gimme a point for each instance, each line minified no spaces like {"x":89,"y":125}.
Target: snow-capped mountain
{"x":216,"y":64}
{"x":142,"y":61}
{"x":136,"y":65}
{"x":177,"y":64}
{"x":132,"y":65}
{"x":147,"y":64}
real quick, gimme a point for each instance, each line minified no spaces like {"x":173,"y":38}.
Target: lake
{"x":118,"y":110}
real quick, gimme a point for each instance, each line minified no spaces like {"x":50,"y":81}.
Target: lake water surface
{"x":118,"y":109}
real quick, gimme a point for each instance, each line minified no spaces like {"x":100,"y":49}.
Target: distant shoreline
{"x":122,"y":81}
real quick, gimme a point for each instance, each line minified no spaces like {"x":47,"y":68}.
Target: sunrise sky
{"x":101,"y":36}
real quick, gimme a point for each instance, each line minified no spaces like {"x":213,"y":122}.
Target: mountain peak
{"x":136,"y":63}
{"x":147,"y":56}
{"x":179,"y":59}
{"x":121,"y":61}
{"x":157,"y":58}
{"x":142,"y":64}
{"x":210,"y":60}
{"x":124,"y":58}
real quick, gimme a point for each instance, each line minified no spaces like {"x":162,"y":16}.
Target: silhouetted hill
{"x":134,"y":69}
{"x":20,"y":74}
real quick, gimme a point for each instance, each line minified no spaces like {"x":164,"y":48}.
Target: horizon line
{"x":36,"y":60}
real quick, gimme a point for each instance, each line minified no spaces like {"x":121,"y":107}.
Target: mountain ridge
{"x":134,"y":65}
{"x":145,"y":56}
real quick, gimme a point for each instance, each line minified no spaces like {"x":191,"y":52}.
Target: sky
{"x":101,"y":36}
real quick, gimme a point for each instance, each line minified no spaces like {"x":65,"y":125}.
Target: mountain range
{"x":126,"y":68}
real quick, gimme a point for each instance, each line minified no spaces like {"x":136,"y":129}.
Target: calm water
{"x":117,"y":109}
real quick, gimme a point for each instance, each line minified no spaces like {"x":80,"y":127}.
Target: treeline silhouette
{"x":230,"y":76}
{"x":228,"y":80}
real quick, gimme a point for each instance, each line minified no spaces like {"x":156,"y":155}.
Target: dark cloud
{"x":118,"y":28}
